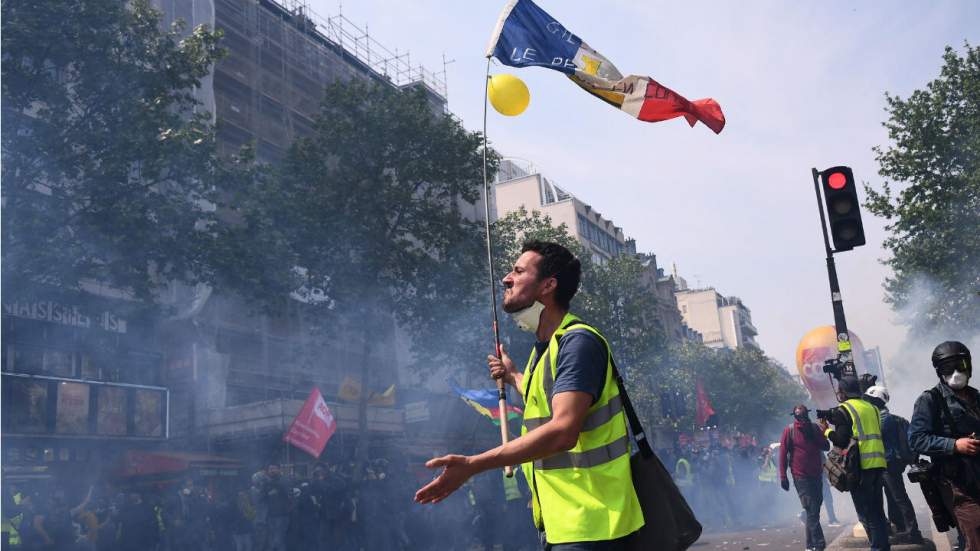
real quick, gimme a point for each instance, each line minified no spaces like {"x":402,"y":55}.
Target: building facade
{"x":238,"y":377}
{"x":722,"y":321}
{"x":516,"y":188}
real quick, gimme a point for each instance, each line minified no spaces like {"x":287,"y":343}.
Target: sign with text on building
{"x":71,"y":315}
{"x":312,"y":428}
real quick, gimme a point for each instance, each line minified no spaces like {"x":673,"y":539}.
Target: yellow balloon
{"x":508,"y":94}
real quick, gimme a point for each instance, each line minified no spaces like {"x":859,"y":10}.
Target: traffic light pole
{"x":844,"y":353}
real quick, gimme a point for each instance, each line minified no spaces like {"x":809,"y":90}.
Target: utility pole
{"x":848,"y":232}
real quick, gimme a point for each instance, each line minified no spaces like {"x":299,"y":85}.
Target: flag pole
{"x":501,"y":388}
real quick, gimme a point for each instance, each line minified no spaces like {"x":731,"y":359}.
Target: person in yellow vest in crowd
{"x":11,"y":519}
{"x":768,"y":472}
{"x":574,"y":445}
{"x":683,"y":476}
{"x":859,"y":419}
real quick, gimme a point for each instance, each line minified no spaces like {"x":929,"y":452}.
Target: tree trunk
{"x":363,"y":434}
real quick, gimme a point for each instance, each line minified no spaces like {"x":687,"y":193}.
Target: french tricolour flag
{"x":527,"y":36}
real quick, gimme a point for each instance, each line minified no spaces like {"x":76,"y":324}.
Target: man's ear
{"x":550,"y":286}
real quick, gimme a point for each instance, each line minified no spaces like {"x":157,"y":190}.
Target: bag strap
{"x":941,"y":411}
{"x":634,"y":421}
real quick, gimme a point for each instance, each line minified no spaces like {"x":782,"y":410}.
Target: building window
{"x":600,"y":238}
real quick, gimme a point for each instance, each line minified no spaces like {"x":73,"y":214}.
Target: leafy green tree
{"x":934,"y":213}
{"x":618,"y":297}
{"x":748,"y":390}
{"x":107,"y":166}
{"x":368,"y":211}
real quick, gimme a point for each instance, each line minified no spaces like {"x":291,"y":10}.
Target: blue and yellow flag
{"x":486,"y":403}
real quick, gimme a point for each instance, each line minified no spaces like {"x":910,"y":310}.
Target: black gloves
{"x":784,"y":482}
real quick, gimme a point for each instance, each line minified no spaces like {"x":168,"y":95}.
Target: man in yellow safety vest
{"x":858,"y":419}
{"x":574,"y":445}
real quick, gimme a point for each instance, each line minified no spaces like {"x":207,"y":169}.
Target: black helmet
{"x":950,"y":350}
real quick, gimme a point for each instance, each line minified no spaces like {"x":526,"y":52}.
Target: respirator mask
{"x":957,"y":381}
{"x":955,"y":373}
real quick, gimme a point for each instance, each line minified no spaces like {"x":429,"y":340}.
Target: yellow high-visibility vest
{"x":769,"y":472}
{"x":586,"y":493}
{"x":866,"y":428}
{"x":511,"y":491}
{"x":682,"y":474}
{"x":9,"y":525}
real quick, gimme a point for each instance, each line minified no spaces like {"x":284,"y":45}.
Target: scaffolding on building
{"x":394,"y":66}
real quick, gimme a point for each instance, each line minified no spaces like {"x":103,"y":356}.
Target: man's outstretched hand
{"x":456,"y":471}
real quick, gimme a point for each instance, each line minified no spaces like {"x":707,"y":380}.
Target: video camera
{"x":824,"y":414}
{"x":834,"y":367}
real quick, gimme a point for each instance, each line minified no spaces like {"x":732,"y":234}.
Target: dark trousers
{"x":828,"y":500}
{"x":966,"y":509}
{"x":895,"y":489}
{"x":868,"y":500}
{"x":810,"y":491}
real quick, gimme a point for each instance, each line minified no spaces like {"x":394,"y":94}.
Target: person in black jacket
{"x":945,"y":426}
{"x":276,"y":494}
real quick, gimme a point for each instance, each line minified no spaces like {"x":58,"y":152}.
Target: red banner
{"x":313,"y":427}
{"x":704,"y":411}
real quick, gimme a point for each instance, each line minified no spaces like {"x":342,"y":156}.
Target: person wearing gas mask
{"x":945,"y":426}
{"x":898,"y":455}
{"x":859,"y":419}
{"x":800,"y":449}
{"x":574,"y":443}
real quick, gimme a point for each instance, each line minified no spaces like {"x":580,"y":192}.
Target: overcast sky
{"x":801,"y":84}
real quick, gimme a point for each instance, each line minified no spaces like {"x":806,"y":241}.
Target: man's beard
{"x":511,"y":307}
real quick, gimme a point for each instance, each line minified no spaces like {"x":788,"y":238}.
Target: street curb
{"x":836,"y":543}
{"x":847,"y":542}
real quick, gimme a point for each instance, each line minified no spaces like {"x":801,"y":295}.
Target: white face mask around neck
{"x":528,"y":318}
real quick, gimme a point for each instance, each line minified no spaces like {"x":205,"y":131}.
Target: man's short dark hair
{"x":558,"y":262}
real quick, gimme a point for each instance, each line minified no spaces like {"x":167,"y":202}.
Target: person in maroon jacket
{"x":800,"y":449}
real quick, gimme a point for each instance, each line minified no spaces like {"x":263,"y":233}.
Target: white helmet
{"x":879,"y":392}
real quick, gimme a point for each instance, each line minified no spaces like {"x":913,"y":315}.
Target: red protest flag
{"x":705,"y":411}
{"x":313,"y":427}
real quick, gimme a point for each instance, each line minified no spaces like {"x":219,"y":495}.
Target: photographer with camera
{"x":859,"y":420}
{"x":944,"y":426}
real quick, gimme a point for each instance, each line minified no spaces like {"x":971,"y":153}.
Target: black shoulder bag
{"x":843,"y":466}
{"x":670,"y":524}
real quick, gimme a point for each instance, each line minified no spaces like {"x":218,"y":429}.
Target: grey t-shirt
{"x":581,"y":363}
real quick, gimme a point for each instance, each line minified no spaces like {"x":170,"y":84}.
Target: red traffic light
{"x":837,"y":180}
{"x":843,"y":207}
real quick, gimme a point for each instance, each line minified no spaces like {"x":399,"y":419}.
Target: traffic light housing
{"x":843,"y":208}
